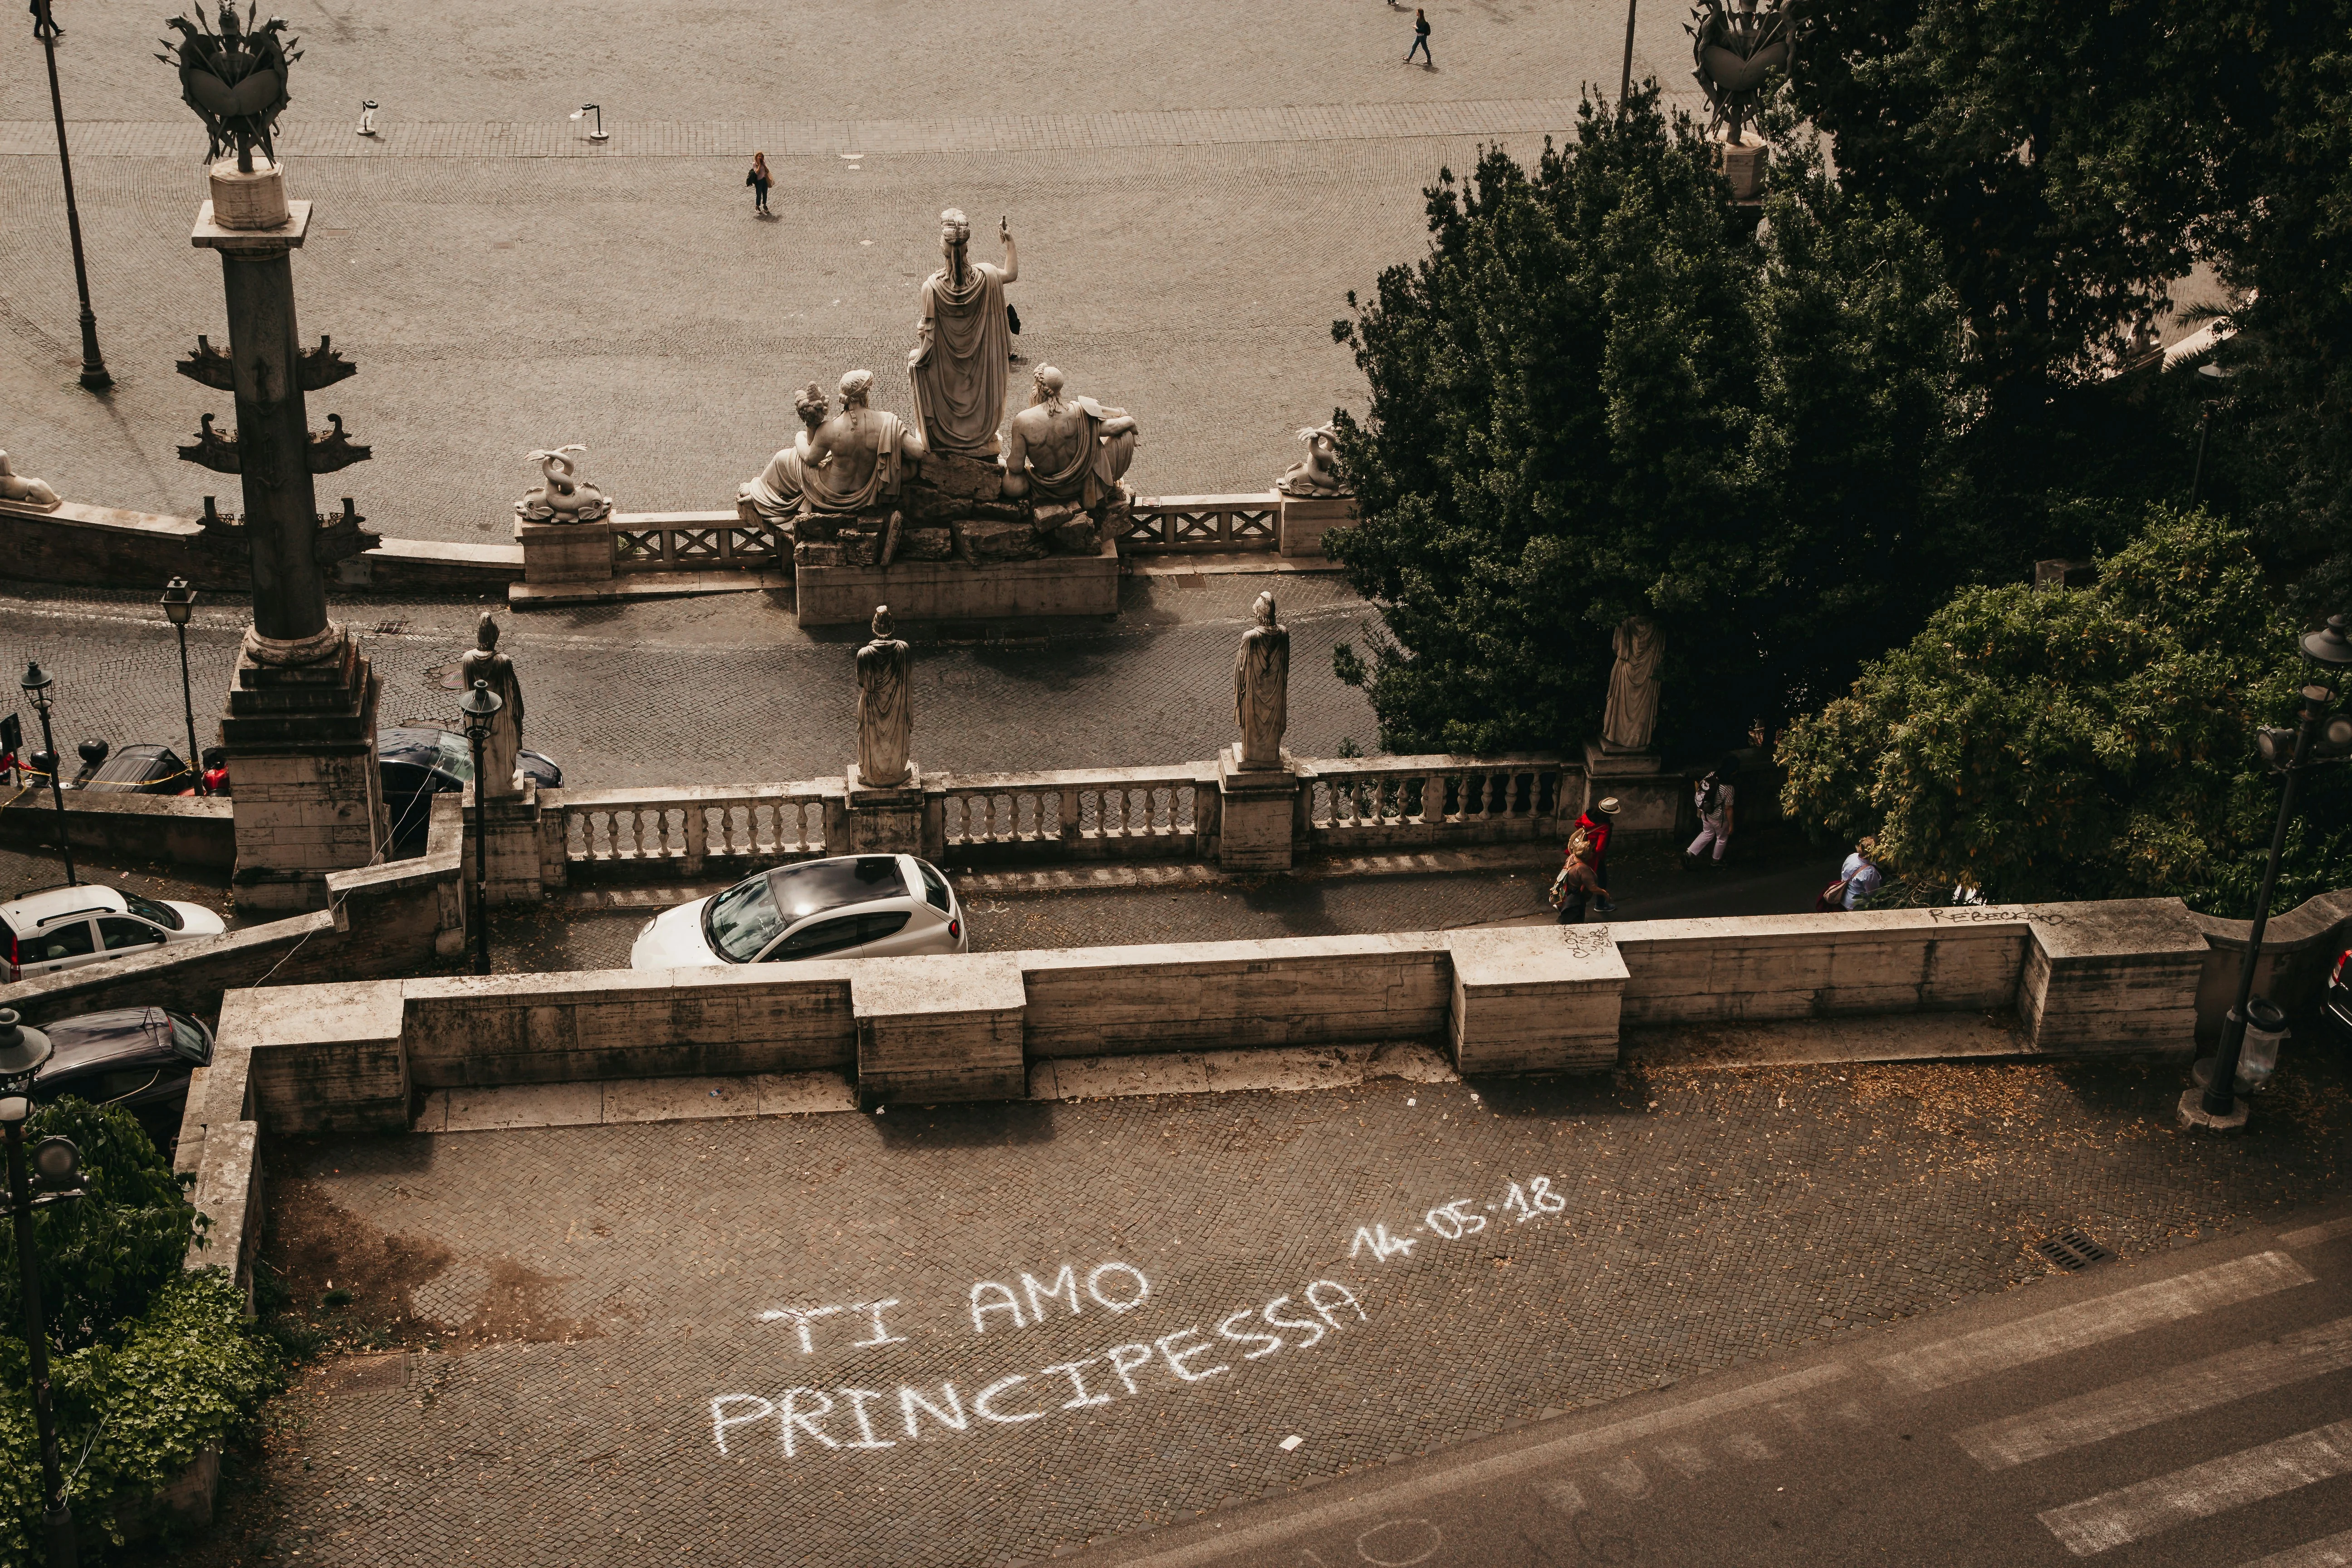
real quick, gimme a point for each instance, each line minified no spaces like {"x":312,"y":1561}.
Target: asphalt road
{"x":2188,"y":1410}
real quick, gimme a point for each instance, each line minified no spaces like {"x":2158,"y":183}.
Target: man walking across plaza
{"x":1420,"y":40}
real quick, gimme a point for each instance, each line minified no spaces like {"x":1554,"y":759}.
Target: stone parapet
{"x":2119,"y":977}
{"x":1545,"y":999}
{"x":929,"y":591}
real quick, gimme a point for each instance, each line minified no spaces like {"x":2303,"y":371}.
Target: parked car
{"x":418,"y":765}
{"x":136,"y":1058}
{"x":65,"y":928}
{"x":846,"y":905}
{"x":2335,"y":998}
{"x":143,"y":767}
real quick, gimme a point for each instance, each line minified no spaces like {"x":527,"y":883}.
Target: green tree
{"x":2085,"y":743}
{"x":1600,"y":394}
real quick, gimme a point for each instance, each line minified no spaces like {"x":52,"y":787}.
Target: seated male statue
{"x":1070,"y":449}
{"x":775,"y":495}
{"x":851,"y":462}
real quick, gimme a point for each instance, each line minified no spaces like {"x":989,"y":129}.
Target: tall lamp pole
{"x":179,"y":603}
{"x":93,"y":365}
{"x":1625,"y":77}
{"x":478,"y":705}
{"x":41,"y":688}
{"x":55,"y":1163}
{"x":2330,"y":653}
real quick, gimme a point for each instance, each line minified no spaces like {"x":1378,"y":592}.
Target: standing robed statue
{"x":962,"y":344}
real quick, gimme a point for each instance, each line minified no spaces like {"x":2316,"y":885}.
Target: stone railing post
{"x":698,"y":836}
{"x":1068,"y":815}
{"x":935,"y":817}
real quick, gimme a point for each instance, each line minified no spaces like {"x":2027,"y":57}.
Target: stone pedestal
{"x":1743,"y":163}
{"x":305,"y":788}
{"x":883,"y":821}
{"x":1255,"y":807}
{"x":510,"y":841}
{"x":1300,"y":528}
{"x":566,"y":552}
{"x":1536,"y":999}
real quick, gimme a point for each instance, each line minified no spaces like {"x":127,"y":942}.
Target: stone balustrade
{"x":1169,"y":813}
{"x":1203,"y":524}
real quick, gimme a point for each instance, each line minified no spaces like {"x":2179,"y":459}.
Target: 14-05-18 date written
{"x":1459,"y":1218}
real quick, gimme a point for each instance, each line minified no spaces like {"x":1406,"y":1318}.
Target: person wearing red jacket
{"x":1595,"y":826}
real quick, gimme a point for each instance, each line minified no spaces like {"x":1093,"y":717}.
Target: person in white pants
{"x":1715,"y":796}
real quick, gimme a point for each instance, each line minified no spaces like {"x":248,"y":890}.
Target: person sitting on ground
{"x":1862,"y":875}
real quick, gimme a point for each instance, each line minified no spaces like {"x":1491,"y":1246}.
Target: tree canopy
{"x":1601,"y":395}
{"x":2085,"y":743}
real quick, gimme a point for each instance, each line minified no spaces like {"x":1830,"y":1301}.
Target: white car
{"x":66,"y":928}
{"x":847,"y":906}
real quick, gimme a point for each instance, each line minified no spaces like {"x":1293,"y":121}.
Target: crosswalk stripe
{"x":2135,"y":1512}
{"x":2064,"y":1329}
{"x":2313,"y":1235}
{"x":2105,"y":1413}
{"x":2335,"y":1552}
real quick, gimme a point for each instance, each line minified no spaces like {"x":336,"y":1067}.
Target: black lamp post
{"x":2212,"y":376}
{"x":2330,"y":654}
{"x":42,"y":689}
{"x":478,"y":705}
{"x":179,"y":603}
{"x":56,"y":1164}
{"x":93,"y":367}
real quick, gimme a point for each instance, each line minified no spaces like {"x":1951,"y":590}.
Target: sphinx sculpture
{"x":24,"y":491}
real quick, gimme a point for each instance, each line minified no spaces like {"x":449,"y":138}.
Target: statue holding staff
{"x":962,"y":344}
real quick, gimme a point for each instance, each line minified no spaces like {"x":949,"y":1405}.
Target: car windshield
{"x":190,"y":1042}
{"x":149,"y":910}
{"x":814,"y":886}
{"x":133,"y":766}
{"x":742,"y":921}
{"x":455,"y":759}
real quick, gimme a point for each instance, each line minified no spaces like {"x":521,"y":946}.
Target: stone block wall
{"x":2112,"y":978}
{"x":182,"y":830}
{"x":1534,"y":1000}
{"x":1765,"y":967}
{"x":1188,"y":996}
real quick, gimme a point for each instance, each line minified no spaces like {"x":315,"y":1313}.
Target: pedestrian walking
{"x":1858,"y":878}
{"x":1577,"y":882}
{"x":759,"y":179}
{"x":1589,"y":841}
{"x":1714,"y":795}
{"x":1420,"y":40}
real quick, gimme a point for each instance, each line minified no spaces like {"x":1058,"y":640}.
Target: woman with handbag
{"x":759,"y":179}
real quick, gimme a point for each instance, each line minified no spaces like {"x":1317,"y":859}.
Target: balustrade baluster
{"x":1066,"y":815}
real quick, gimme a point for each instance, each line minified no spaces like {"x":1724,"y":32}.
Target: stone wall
{"x":182,"y":830}
{"x":2079,"y":979}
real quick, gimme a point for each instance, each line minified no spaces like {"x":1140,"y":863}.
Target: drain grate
{"x":2072,"y":1251}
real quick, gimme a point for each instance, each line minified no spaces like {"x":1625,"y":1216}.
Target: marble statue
{"x":502,"y":748}
{"x":15,"y":486}
{"x":962,"y":344}
{"x":1632,"y":716}
{"x":1318,"y":473}
{"x":1071,"y":449}
{"x":852,"y":462}
{"x":1261,"y":688}
{"x":775,"y":495}
{"x":1737,"y":49}
{"x":885,"y":719}
{"x":562,"y":496}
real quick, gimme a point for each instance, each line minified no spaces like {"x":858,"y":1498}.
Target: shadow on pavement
{"x":995,"y":1125}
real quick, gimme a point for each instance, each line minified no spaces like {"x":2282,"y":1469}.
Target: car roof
{"x":409,"y":744}
{"x":809,"y":888}
{"x":91,"y":1038}
{"x":34,"y":910}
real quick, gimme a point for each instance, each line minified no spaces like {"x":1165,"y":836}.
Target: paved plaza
{"x":1139,"y":1302}
{"x":1195,"y":191}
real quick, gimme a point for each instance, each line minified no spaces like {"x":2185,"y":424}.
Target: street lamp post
{"x":94,"y":366}
{"x":55,"y":1162}
{"x":41,"y":688}
{"x":2330,"y":653}
{"x":179,"y":603}
{"x":478,"y":705}
{"x":1625,"y":77}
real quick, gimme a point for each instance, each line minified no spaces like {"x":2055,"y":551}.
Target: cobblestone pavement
{"x":730,"y":688}
{"x":1203,"y":1270}
{"x":1195,"y":190}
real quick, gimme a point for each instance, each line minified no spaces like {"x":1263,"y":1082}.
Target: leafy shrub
{"x":149,"y":1363}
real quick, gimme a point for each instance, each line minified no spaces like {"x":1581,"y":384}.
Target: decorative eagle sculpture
{"x":1736,"y":48}
{"x":234,"y":79}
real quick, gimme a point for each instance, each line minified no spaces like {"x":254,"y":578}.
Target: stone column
{"x":301,"y":723}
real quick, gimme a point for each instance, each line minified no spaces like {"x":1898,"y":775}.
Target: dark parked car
{"x":143,"y":767}
{"x":2335,"y":1000}
{"x":136,"y":1058}
{"x":421,"y":764}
